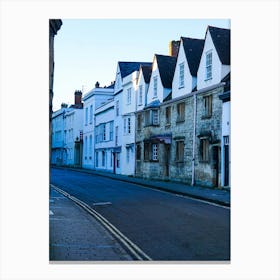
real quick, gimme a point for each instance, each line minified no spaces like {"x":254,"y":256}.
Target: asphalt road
{"x":165,"y":226}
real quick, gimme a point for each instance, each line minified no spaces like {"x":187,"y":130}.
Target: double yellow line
{"x":134,"y":250}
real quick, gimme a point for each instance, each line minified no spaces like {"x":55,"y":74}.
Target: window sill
{"x":181,"y":87}
{"x":208,"y":79}
{"x":168,"y":125}
{"x":180,"y":121}
{"x":206,"y":117}
{"x":179,"y":161}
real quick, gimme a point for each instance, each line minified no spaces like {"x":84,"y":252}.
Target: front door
{"x":226,"y":160}
{"x":167,"y":159}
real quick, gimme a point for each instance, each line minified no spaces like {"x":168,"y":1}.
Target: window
{"x":86,"y":116}
{"x":154,"y":151}
{"x":128,"y":97}
{"x":180,"y":151}
{"x":118,"y":160}
{"x":181,"y":74}
{"x":127,"y":155}
{"x":103,"y":158}
{"x":117,"y":108}
{"x":111,"y":161}
{"x":209,"y":65}
{"x":111,"y":130}
{"x":124,"y":126}
{"x":155,"y":117}
{"x":90,"y":146}
{"x":139,"y":122}
{"x":140,"y":95}
{"x":181,"y":112}
{"x":204,"y":149}
{"x":96,"y":159}
{"x":128,"y":125}
{"x":207,"y":103}
{"x":97,"y":134}
{"x":91,"y":114}
{"x":168,"y":115}
{"x":152,"y":117}
{"x":138,"y":151}
{"x":146,"y":151}
{"x":117,"y":134}
{"x":155,"y":86}
{"x":103,"y":132}
{"x":86,"y":147}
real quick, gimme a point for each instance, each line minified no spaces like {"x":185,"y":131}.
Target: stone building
{"x":178,"y":136}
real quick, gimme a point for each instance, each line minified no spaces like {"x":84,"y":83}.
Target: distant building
{"x":125,"y":106}
{"x":73,"y":141}
{"x":92,"y":100}
{"x":58,"y":155}
{"x":67,"y":134}
{"x":104,"y":137}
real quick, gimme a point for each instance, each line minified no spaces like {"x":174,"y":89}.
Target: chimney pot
{"x":97,"y":85}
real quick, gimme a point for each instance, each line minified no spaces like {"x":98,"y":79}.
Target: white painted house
{"x":104,"y":137}
{"x":73,"y":125}
{"x":142,"y":86}
{"x":160,"y":86}
{"x":58,"y":155}
{"x":185,"y":75}
{"x":92,"y":100}
{"x":225,"y":139}
{"x":124,"y":107}
{"x":215,"y":60}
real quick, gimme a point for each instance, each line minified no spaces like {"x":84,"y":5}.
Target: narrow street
{"x":167,"y":227}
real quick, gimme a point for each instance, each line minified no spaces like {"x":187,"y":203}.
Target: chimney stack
{"x":78,"y":97}
{"x":174,"y":48}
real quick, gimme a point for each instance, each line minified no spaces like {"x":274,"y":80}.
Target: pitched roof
{"x":166,"y":66}
{"x":127,"y":67}
{"x":221,"y":40}
{"x":147,"y":71}
{"x":193,"y":49}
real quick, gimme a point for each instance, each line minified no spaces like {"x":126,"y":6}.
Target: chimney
{"x":64,"y":105}
{"x":174,"y":48}
{"x":78,"y":97}
{"x":97,"y":85}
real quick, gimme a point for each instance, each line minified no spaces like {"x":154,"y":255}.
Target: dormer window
{"x":140,"y":95}
{"x":155,"y":86}
{"x":208,"y":65}
{"x":181,"y":74}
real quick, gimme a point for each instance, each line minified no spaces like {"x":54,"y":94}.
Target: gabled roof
{"x":221,"y":40}
{"x":166,"y":66}
{"x":127,"y":68}
{"x":147,"y":71}
{"x":193,"y":49}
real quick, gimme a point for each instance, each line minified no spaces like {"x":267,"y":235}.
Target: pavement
{"x":75,"y":235}
{"x":214,"y":195}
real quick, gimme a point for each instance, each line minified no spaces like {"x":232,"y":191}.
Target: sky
{"x":87,"y":50}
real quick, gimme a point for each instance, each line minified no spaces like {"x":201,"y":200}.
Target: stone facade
{"x":174,"y":135}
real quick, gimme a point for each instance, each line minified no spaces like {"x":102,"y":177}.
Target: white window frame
{"x":124,"y":125}
{"x":155,"y":117}
{"x":155,"y":88}
{"x":128,"y":125}
{"x":86,"y":116}
{"x":154,"y":151}
{"x":181,"y":75}
{"x":140,"y":95}
{"x":90,"y":114}
{"x":128,"y":97}
{"x":208,"y":65}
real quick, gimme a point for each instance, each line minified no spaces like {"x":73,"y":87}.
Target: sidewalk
{"x":76,"y":236}
{"x":219,"y":196}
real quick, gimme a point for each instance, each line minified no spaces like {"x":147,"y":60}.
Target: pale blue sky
{"x":88,"y":50}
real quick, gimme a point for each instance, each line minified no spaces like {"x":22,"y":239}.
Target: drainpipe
{"x":194,"y":137}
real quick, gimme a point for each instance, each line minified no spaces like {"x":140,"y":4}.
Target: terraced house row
{"x":167,"y":119}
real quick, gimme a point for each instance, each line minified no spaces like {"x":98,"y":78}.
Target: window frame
{"x":154,"y":151}
{"x":181,"y":75}
{"x":208,"y":65}
{"x":180,"y":151}
{"x":181,"y":111}
{"x":155,"y":86}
